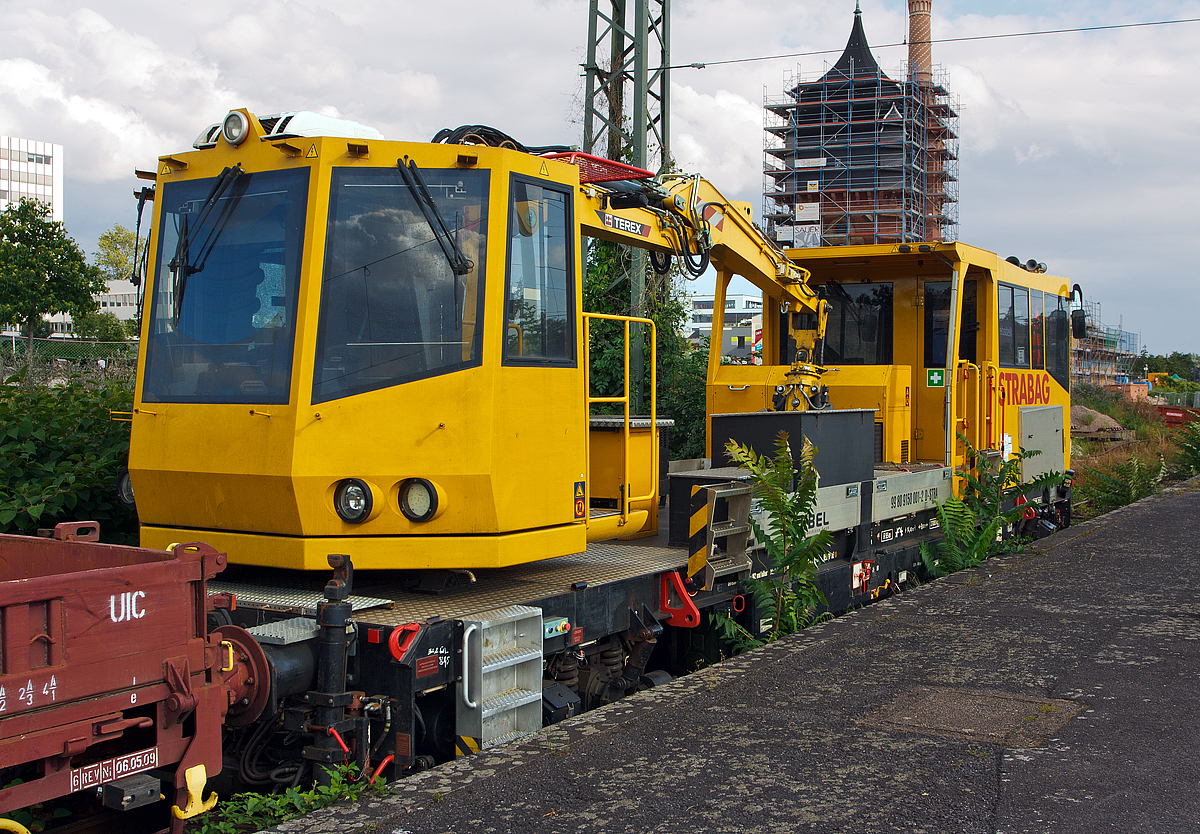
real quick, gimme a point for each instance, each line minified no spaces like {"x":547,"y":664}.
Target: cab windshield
{"x":402,"y":289}
{"x":223,"y":315}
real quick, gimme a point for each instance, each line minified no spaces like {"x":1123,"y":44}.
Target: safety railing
{"x":969,"y":402}
{"x":624,"y":401}
{"x":1189,"y":399}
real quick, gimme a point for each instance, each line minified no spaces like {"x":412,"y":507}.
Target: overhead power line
{"x":703,"y":64}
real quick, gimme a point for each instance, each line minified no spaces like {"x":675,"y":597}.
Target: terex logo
{"x":621,"y":224}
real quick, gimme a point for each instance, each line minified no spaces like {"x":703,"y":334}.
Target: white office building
{"x":29,"y":168}
{"x":120,"y":300}
{"x":743,"y":323}
{"x":738,"y":309}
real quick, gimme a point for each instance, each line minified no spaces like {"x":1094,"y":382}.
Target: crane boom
{"x":687,"y":216}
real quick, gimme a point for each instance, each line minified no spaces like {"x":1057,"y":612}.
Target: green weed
{"x":1121,"y":482}
{"x":1187,"y":460}
{"x":971,"y":525}
{"x":247,"y":812}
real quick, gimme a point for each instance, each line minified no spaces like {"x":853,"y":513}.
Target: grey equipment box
{"x":1041,"y":428}
{"x":844,"y":439}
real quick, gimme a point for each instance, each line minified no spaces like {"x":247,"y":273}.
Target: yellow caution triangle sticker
{"x":312,"y":151}
{"x":166,"y":169}
{"x":579,"y":489}
{"x":545,"y":172}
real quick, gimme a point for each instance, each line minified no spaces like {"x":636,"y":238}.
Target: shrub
{"x":61,"y":455}
{"x":971,"y":525}
{"x":1187,"y":461}
{"x":1121,"y":482}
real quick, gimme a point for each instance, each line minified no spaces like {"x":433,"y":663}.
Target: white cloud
{"x":720,"y":136}
{"x":1075,"y":149}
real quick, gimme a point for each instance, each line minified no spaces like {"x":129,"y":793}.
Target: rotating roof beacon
{"x":854,"y":156}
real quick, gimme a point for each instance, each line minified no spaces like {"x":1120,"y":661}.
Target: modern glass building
{"x":29,"y":168}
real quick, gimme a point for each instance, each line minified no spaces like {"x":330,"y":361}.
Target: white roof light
{"x":307,"y":123}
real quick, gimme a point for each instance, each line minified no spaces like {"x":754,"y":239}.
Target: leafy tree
{"x":114,"y":253}
{"x":1183,"y":365}
{"x":42,"y":270}
{"x":103,"y":327}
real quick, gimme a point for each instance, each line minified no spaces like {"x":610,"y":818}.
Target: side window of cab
{"x":539,"y":325}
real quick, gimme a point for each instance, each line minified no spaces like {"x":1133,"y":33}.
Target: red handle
{"x":409,"y":632}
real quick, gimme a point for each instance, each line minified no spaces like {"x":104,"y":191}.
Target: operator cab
{"x":372,"y":348}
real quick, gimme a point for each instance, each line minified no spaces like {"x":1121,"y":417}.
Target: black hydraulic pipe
{"x":330,"y":698}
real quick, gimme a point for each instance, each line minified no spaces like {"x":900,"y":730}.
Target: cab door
{"x":931,"y":382}
{"x":540,"y":430}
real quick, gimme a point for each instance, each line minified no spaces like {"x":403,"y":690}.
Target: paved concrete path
{"x":1055,"y":691}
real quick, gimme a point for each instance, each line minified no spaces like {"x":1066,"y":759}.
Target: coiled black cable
{"x":490,"y":136}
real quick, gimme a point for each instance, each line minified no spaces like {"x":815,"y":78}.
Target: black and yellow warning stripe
{"x":698,"y":531}
{"x":466,"y":745}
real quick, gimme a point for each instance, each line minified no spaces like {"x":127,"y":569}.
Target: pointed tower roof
{"x":857,"y":59}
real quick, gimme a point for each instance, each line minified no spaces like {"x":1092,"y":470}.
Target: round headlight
{"x":234,"y":128}
{"x":125,"y":489}
{"x":418,"y":499}
{"x":352,"y":501}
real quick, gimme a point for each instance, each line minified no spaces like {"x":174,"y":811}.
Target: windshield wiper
{"x":181,"y":264}
{"x":460,"y":264}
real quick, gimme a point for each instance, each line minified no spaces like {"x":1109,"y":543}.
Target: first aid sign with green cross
{"x":935,"y":378}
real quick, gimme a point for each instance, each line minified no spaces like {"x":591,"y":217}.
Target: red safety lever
{"x":408,"y":632}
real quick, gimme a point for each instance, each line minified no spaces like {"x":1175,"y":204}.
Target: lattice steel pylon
{"x":637,"y":51}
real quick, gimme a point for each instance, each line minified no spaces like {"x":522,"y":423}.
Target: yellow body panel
{"x":382,"y":552}
{"x":884,"y":388}
{"x":606,"y":475}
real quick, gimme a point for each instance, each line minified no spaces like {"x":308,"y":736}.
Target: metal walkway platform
{"x":381,"y":598}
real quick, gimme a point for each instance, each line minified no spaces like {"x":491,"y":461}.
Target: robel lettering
{"x":129,"y":606}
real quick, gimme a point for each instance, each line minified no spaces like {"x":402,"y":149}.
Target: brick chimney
{"x":920,"y":58}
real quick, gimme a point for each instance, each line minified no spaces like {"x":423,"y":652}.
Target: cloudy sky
{"x":1078,"y":150}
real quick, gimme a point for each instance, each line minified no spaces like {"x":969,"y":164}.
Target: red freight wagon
{"x":108,"y":680}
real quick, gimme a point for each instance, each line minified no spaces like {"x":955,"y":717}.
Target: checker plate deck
{"x":391,"y":604}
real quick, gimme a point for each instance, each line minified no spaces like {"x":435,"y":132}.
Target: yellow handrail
{"x":626,"y":498}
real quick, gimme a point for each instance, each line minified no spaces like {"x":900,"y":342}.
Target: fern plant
{"x":788,"y":597}
{"x":971,"y":525}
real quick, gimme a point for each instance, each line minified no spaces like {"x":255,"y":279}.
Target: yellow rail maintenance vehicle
{"x":371,"y":354}
{"x":930,"y":335}
{"x":378,"y":349}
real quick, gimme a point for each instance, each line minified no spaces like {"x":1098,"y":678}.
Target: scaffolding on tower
{"x":853,"y":156}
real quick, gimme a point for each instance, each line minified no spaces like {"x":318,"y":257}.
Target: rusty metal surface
{"x":103,"y":658}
